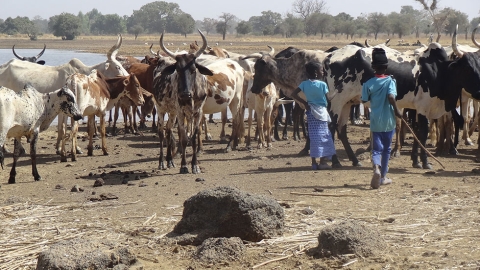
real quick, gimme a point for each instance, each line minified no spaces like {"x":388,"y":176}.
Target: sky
{"x":243,"y":9}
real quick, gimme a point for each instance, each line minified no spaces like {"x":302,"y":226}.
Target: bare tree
{"x":439,"y":17}
{"x":223,"y":25}
{"x":305,"y":8}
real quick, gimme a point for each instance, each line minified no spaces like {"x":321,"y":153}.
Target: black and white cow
{"x":430,"y":83}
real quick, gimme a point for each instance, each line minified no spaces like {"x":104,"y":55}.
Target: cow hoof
{"x":195,"y":169}
{"x":58,"y":152}
{"x":38,"y":178}
{"x":161,"y":166}
{"x":223,"y":140}
{"x":285,"y":138}
{"x":208,"y":137}
{"x":304,"y":152}
{"x":427,"y":166}
{"x":79,"y":152}
{"x":63,"y":158}
{"x":416,"y":165}
{"x":358,"y":164}
{"x":74,"y":158}
{"x":228,"y":149}
{"x":184,"y":170}
{"x":170,"y":164}
{"x":336,"y":165}
{"x":395,"y":154}
{"x":199,"y":152}
{"x":90,"y":152}
{"x":469,"y":142}
{"x":105,"y":153}
{"x":11,"y":180}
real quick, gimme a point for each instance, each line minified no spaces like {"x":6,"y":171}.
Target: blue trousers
{"x":381,"y":148}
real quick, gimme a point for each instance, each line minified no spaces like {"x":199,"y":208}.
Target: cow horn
{"x":386,"y":42}
{"x":16,"y":55}
{"x":473,"y":36}
{"x":253,"y":55}
{"x":162,"y":46}
{"x":366,"y":44}
{"x":204,"y":45}
{"x":151,"y":51}
{"x":41,"y":53}
{"x":112,"y":53}
{"x":272,"y":50}
{"x":454,"y":44}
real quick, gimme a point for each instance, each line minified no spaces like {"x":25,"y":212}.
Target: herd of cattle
{"x":187,"y":85}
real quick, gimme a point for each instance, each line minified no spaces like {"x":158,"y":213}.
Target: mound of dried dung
{"x":87,"y":254}
{"x":228,"y":212}
{"x":349,"y":237}
{"x":216,"y":250}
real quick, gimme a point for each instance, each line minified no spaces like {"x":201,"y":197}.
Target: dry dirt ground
{"x":430,"y":221}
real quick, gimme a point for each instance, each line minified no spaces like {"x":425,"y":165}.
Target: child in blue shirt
{"x":315,"y":90}
{"x":381,"y":91}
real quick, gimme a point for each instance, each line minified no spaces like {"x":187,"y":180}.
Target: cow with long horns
{"x":180,"y":90}
{"x":32,"y":59}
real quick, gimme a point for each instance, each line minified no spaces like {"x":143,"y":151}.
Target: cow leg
{"x":208,"y":136}
{"x":62,"y":137}
{"x":342,"y":134}
{"x":465,"y":111}
{"x":171,"y":143}
{"x":33,"y":156}
{"x":61,"y":131}
{"x":223,"y":138}
{"x":398,"y":131}
{"x":91,"y":130}
{"x":16,"y":155}
{"x":422,"y":124}
{"x":458,"y":122}
{"x":268,"y":127}
{"x":296,"y":122}
{"x":73,"y":134}
{"x":260,"y":110}
{"x":103,"y":134}
{"x":110,"y":117}
{"x":154,"y":113}
{"x":182,"y":137}
{"x":195,"y":167}
{"x":199,"y":149}
{"x":114,"y":128}
{"x":133,"y":119}
{"x":161,"y":136}
{"x":302,"y":123}
{"x":250,"y":118}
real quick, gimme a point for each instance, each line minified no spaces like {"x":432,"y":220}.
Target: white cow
{"x":27,"y":113}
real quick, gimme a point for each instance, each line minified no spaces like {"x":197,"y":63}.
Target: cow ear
{"x":41,"y":62}
{"x":169,"y":70}
{"x":203,"y":70}
{"x":107,"y":65}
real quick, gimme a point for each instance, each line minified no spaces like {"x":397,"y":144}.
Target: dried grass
{"x":28,"y":228}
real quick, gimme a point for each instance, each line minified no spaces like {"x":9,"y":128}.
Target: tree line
{"x":307,"y":17}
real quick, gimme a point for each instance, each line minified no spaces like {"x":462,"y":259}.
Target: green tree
{"x":227,"y":20}
{"x":268,"y":20}
{"x":135,"y":30}
{"x":65,"y":25}
{"x":110,"y":24}
{"x":209,"y":24}
{"x":457,"y":18}
{"x":325,"y":22}
{"x":291,"y":26}
{"x":184,"y":24}
{"x":41,"y":24}
{"x":417,"y":19}
{"x":400,"y":24}
{"x":154,"y":17}
{"x":244,"y":28}
{"x":19,"y":25}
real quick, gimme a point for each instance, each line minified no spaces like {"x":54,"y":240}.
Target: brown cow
{"x":95,"y":96}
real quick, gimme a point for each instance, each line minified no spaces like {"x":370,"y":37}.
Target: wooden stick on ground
{"x":324,"y":195}
{"x":421,"y":145}
{"x":278,"y":259}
